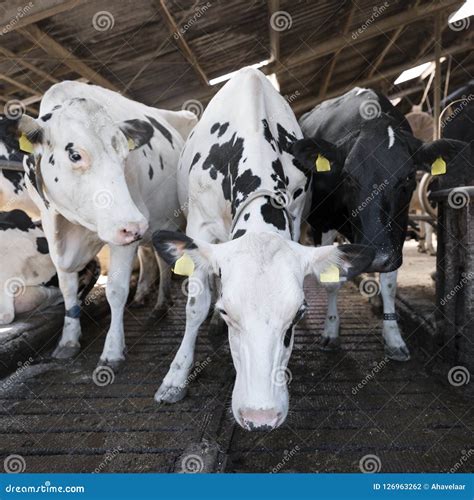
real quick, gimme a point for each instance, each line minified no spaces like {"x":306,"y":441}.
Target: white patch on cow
{"x":391,"y":137}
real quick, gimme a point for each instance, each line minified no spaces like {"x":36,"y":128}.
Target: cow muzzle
{"x":130,"y":232}
{"x":385,"y":263}
{"x":260,"y":420}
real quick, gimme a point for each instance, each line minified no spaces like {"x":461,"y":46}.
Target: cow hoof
{"x":136,"y":304}
{"x":329,"y":343}
{"x":170,"y":394}
{"x":66,"y":351}
{"x":160,"y":312}
{"x":114,"y":364}
{"x":397,"y":353}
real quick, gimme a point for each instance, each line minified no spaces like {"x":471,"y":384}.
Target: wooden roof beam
{"x":11,"y":56}
{"x":274,"y":35}
{"x":19,"y":85}
{"x":178,"y":36}
{"x":304,"y":104}
{"x":332,"y":65}
{"x":390,"y":23}
{"x":56,"y":50}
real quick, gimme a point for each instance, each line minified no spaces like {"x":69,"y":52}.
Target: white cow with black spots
{"x":103,"y":170}
{"x":245,"y":197}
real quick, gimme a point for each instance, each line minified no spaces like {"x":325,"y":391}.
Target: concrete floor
{"x":58,"y":420}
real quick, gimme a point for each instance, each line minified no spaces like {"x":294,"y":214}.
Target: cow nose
{"x":384,"y":263}
{"x":259,"y":420}
{"x":131,"y":232}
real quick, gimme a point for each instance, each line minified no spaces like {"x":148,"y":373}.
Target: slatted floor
{"x":57,"y":419}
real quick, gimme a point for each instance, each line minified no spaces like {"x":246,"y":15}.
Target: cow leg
{"x":118,"y":285}
{"x":395,"y":347}
{"x":146,"y":277}
{"x":330,"y":338}
{"x":7,"y":307}
{"x":164,"y":301}
{"x":69,"y":345}
{"x":174,"y":385}
{"x":429,"y":239}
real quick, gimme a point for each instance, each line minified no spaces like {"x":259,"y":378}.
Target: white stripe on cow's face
{"x":82,"y":165}
{"x":391,"y":136}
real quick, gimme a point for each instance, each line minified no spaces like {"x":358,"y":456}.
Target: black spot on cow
{"x":46,"y":117}
{"x":150,"y":172}
{"x":51,"y":159}
{"x":162,"y":129}
{"x":162,"y":165}
{"x":246,"y":217}
{"x":144,"y":153}
{"x":279,"y":176}
{"x":273,"y":215}
{"x":69,"y":146}
{"x":225,"y":159}
{"x":191,"y":134}
{"x":196,"y":158}
{"x":58,"y":106}
{"x":222,"y":129}
{"x":42,"y":245}
{"x":297,"y":193}
{"x":16,"y":219}
{"x":52,"y":282}
{"x":16,"y":178}
{"x":56,"y":179}
{"x":267,"y":133}
{"x":215,"y":127}
{"x":285,"y":138}
{"x":239,"y":233}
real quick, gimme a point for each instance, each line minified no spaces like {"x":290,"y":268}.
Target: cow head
{"x":80,"y":167}
{"x":375,"y":179}
{"x":261,"y":300}
{"x":8,"y":142}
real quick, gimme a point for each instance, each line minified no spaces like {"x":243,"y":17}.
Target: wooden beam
{"x":384,"y":25}
{"x":178,"y":36}
{"x":56,"y":50}
{"x":20,"y":85}
{"x":332,"y":65}
{"x":16,"y":14}
{"x":274,"y":35}
{"x":304,"y":104}
{"x":11,"y":56}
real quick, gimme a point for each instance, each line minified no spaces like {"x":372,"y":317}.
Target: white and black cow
{"x":366,"y":193}
{"x":13,"y":192}
{"x":245,"y":196}
{"x":103,"y":170}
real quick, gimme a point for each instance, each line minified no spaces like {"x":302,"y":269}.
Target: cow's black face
{"x":378,"y":182}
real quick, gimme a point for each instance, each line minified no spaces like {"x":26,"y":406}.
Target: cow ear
{"x":137,"y":132}
{"x":30,"y":133}
{"x":333,"y":264}
{"x":437,"y":156}
{"x":181,"y":252}
{"x":316,"y":155}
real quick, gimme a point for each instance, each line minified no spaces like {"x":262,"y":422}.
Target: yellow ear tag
{"x":322,"y":164}
{"x":25,"y":144}
{"x":184,"y":266}
{"x":131,"y":144}
{"x":331,"y":275}
{"x":438,"y":167}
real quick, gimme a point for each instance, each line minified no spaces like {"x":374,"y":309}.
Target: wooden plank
{"x":304,"y":104}
{"x":179,"y":37}
{"x":274,"y":35}
{"x":18,"y":13}
{"x":384,"y":25}
{"x":18,"y":84}
{"x":11,"y":56}
{"x":56,"y":50}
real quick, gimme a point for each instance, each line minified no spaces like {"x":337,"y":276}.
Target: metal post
{"x":437,"y":79}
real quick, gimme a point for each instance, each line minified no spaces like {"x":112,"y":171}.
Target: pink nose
{"x":253,"y":420}
{"x":131,"y":232}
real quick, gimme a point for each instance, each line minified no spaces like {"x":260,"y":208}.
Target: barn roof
{"x":167,"y":52}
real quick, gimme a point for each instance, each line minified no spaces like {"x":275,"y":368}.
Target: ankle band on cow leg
{"x":390,"y":317}
{"x":74,"y":312}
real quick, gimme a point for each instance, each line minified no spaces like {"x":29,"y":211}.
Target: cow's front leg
{"x":118,"y":284}
{"x":69,"y":345}
{"x":164,"y":301}
{"x":174,"y":385}
{"x":330,"y":338}
{"x":395,"y":347}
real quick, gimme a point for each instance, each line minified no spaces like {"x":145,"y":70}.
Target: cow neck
{"x":261,"y":193}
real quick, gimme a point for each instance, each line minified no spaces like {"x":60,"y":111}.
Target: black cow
{"x":366,"y":193}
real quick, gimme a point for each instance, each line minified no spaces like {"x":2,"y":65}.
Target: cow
{"x":102,"y":170}
{"x":244,"y":196}
{"x":365,"y":193}
{"x":28,"y":279}
{"x":13,"y":192}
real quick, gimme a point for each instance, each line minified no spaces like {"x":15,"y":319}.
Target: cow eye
{"x":74,"y":156}
{"x":288,"y":334}
{"x":222,"y":312}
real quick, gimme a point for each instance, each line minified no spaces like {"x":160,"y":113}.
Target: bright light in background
{"x":228,"y":76}
{"x":466,"y":10}
{"x":395,"y":101}
{"x":422,"y":70}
